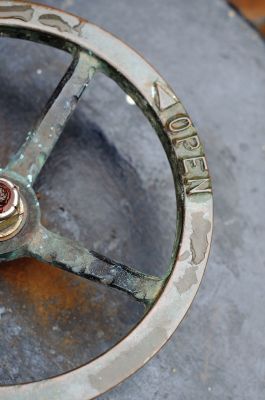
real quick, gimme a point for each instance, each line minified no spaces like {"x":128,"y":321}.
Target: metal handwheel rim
{"x":193,"y":188}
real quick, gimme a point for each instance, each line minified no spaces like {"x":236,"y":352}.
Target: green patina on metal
{"x":30,"y":159}
{"x":167,"y":298}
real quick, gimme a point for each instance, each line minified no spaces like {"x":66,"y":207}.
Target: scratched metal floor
{"x":108,"y":185}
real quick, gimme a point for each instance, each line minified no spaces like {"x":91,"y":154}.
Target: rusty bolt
{"x":9,"y":199}
{"x":11,"y":209}
{"x":5,"y":194}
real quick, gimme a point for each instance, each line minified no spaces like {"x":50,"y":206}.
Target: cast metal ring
{"x":167,"y":298}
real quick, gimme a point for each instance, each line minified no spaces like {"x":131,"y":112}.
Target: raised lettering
{"x":179,"y":124}
{"x":195,"y":186}
{"x":163,"y":96}
{"x":190,"y":143}
{"x":198,"y":163}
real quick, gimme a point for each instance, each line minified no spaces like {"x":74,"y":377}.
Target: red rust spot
{"x":46,"y":296}
{"x":47,"y":288}
{"x":5,"y":196}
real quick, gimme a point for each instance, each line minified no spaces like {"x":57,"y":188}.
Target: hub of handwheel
{"x":12,"y":210}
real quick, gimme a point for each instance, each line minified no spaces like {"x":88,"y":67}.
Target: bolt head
{"x":9,"y":199}
{"x":5,"y":194}
{"x":12,"y":210}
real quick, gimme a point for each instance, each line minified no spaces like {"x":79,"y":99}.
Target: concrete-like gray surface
{"x":216,"y":64}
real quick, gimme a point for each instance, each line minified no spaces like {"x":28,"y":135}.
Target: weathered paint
{"x":189,"y":167}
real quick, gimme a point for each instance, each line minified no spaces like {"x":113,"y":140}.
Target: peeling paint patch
{"x":198,"y":240}
{"x":55,"y":21}
{"x":24,"y":13}
{"x":188,"y":280}
{"x":78,"y":28}
{"x":184,"y":256}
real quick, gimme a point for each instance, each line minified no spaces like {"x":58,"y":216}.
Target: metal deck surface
{"x":108,"y":184}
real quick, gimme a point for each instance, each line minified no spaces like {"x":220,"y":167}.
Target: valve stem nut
{"x":12,"y":214}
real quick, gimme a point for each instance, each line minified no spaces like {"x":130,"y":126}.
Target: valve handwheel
{"x":21,"y":233}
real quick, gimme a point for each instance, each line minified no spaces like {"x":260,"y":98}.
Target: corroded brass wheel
{"x":167,"y":298}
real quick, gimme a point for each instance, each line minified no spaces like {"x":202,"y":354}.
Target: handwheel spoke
{"x":70,"y":256}
{"x":32,"y":155}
